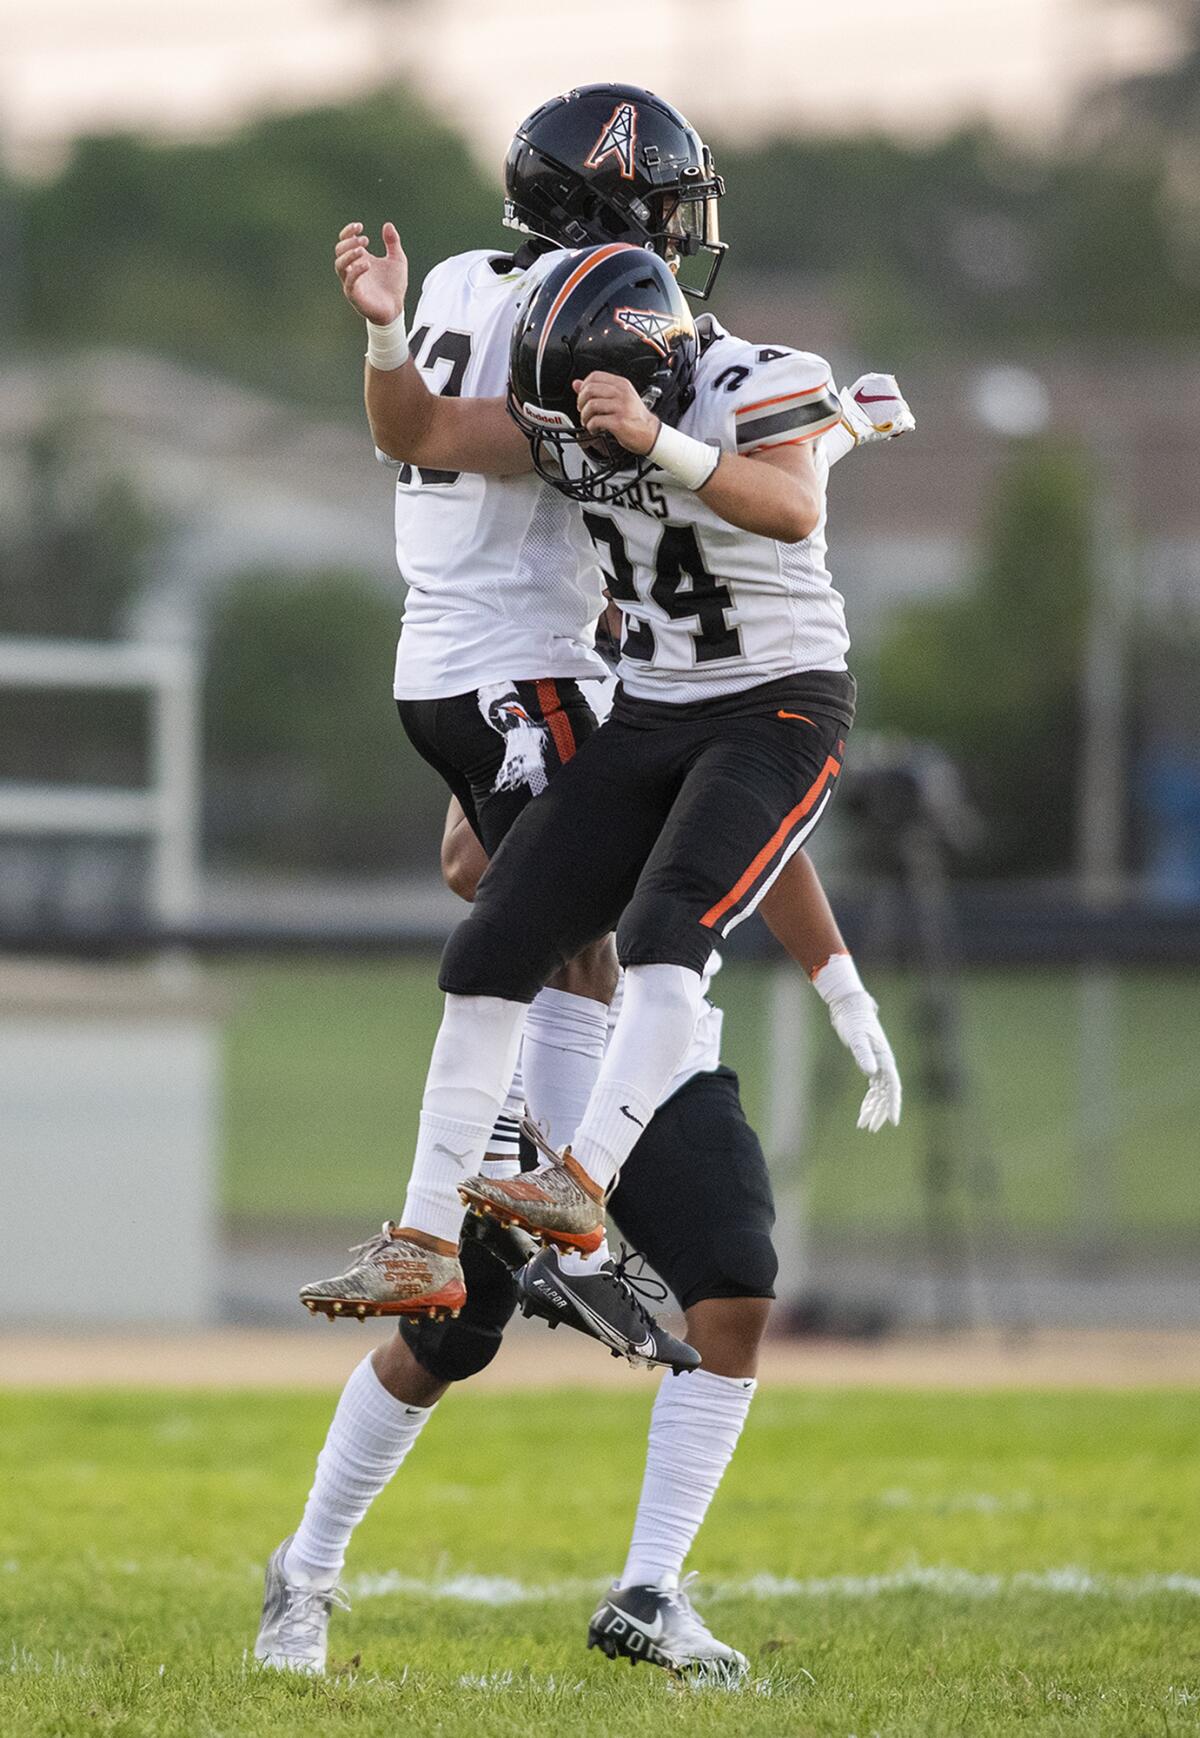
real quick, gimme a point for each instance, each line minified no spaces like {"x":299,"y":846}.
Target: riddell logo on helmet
{"x":651,"y":326}
{"x":617,"y":139}
{"x":547,"y":418}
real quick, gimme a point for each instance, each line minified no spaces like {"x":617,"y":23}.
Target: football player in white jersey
{"x":728,"y":732}
{"x":503,"y":579}
{"x":504,"y":586}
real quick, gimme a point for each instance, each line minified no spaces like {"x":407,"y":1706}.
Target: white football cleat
{"x":661,"y":1626}
{"x":293,"y":1635}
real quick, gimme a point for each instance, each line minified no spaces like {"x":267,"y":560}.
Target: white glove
{"x":853,"y":1014}
{"x":874,"y":409}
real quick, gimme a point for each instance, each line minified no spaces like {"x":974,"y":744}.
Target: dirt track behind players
{"x":321,"y":1356}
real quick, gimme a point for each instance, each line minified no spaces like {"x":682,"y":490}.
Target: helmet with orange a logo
{"x":613,"y":162}
{"x":615,"y":308}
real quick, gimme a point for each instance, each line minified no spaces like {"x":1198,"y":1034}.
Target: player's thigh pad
{"x":563,"y":875}
{"x":463,"y":1345}
{"x":457,"y":740}
{"x":695,"y":1196}
{"x":749,"y":801}
{"x":566,"y":721}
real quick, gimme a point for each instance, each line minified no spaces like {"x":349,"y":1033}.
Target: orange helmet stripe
{"x":576,"y":278}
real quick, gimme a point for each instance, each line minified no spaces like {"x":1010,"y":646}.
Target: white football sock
{"x":694,"y":1430}
{"x":572,"y":1261}
{"x":569,"y":1260}
{"x":658,"y":1017}
{"x":469,"y":1075}
{"x":504,"y":1148}
{"x":561,"y":1056}
{"x":370,"y":1435}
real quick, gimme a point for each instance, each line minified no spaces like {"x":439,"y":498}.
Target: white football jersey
{"x":709,"y":609}
{"x":503,"y":582}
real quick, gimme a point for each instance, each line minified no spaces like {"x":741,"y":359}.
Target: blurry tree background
{"x":218,"y":254}
{"x":192,"y":249}
{"x":76,"y":548}
{"x":302,"y":750}
{"x":200,"y":250}
{"x":991,"y":674}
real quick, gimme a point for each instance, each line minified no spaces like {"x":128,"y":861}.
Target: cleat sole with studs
{"x":439,"y":1307}
{"x":566,"y":1242}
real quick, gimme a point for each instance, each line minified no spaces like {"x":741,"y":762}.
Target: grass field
{"x":896,"y":1564}
{"x":326,"y":1064}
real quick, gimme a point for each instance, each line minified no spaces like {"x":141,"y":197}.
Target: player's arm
{"x":463,"y":857}
{"x":773,"y":492}
{"x":408,"y":421}
{"x":799,"y":917}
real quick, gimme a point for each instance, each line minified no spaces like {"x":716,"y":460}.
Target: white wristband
{"x":387,"y":346}
{"x":689,"y":461}
{"x":838,"y":977}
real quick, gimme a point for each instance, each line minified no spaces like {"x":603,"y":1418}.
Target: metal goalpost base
{"x":166,"y":812}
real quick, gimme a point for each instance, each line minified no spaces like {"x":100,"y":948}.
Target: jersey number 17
{"x":454,"y":348}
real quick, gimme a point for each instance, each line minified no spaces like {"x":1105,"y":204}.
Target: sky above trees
{"x":738,"y":67}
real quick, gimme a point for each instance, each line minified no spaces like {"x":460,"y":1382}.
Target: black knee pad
{"x":658,"y":928}
{"x":695,"y":1195}
{"x":487,"y":959}
{"x":464,"y":1345}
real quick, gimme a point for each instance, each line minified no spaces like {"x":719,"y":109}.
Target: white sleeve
{"x":785,"y":400}
{"x":837,"y":442}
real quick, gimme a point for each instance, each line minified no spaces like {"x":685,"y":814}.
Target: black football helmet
{"x":613,"y":162}
{"x":615,"y":308}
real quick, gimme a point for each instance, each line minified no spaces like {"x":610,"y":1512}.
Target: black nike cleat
{"x":605,"y":1306}
{"x":660,"y":1625}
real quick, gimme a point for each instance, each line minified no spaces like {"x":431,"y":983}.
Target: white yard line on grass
{"x":1070,"y":1581}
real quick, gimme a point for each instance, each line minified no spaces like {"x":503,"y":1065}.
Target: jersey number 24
{"x":682,"y":586}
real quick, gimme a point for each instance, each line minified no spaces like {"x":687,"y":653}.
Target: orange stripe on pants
{"x":775,"y":843}
{"x":556,"y":718}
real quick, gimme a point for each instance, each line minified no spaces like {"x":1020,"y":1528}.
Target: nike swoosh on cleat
{"x":625,"y":1111}
{"x":652,"y":1632}
{"x":799,"y":715}
{"x":608,"y":1335}
{"x":874,"y":398}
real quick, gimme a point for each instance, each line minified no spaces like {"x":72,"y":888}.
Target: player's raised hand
{"x":373,"y":284}
{"x":608,"y":404}
{"x":875,"y":409}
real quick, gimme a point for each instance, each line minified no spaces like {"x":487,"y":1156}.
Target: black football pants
{"x":669,"y":824}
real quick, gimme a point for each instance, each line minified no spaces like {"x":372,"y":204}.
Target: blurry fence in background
{"x":165,"y":813}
